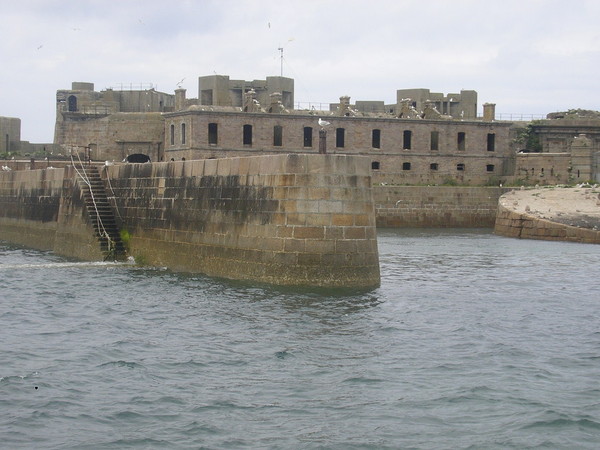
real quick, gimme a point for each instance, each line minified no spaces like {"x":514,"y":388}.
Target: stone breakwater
{"x":553,"y":213}
{"x":283,"y":219}
{"x":436,"y":206}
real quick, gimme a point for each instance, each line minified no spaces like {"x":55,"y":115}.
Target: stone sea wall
{"x":283,"y":219}
{"x":436,"y":206}
{"x":44,"y":209}
{"x":553,"y":214}
{"x":524,"y":226}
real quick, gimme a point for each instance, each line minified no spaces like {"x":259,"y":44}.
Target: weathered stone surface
{"x":258,"y":218}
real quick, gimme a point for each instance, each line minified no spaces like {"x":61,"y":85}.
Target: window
{"x":376,"y":139}
{"x":460,"y":167}
{"x":339,"y":137}
{"x":489,"y":167}
{"x":433,"y":166}
{"x":183,"y":133}
{"x":435,"y":140}
{"x":277,"y":136}
{"x":72,"y":103}
{"x":491,"y":142}
{"x":375,"y":165}
{"x":460,"y":140}
{"x":213,"y":135}
{"x":247,"y":135}
{"x":406,"y":143}
{"x":308,"y":136}
{"x":406,"y":166}
{"x":172,"y":134}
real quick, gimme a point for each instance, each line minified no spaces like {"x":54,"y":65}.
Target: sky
{"x":529,"y":57}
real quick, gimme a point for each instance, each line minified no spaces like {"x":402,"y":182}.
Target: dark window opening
{"x":213,"y":135}
{"x":406,"y":166}
{"x":489,"y":167}
{"x":183,"y":133}
{"x":433,"y":166}
{"x":277,"y":136}
{"x":308,"y":132}
{"x":491,"y":142}
{"x":407,"y":138}
{"x":460,"y":167}
{"x":247,"y":135}
{"x":172,"y":135}
{"x":375,"y":165}
{"x":339,"y":137}
{"x":460,"y":141}
{"x":72,"y":103}
{"x":137,"y":158}
{"x":376,"y":139}
{"x":435,"y":140}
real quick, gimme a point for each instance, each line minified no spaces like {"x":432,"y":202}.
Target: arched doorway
{"x":137,"y":158}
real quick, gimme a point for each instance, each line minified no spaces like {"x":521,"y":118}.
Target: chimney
{"x":179,"y":99}
{"x":489,"y":112}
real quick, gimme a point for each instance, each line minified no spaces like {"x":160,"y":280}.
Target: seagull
{"x":323,"y":123}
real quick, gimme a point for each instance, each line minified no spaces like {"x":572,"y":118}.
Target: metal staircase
{"x":101,"y":214}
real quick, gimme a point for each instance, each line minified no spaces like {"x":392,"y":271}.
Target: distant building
{"x":10,"y":134}
{"x":425,"y":138}
{"x":219,"y":90}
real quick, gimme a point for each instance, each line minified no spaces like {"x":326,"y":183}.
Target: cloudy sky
{"x":527,"y":56}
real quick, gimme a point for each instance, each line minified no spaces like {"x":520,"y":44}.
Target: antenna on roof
{"x":281,"y":59}
{"x":281,"y":56}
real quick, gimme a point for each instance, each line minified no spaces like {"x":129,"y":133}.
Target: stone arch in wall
{"x":137,"y":158}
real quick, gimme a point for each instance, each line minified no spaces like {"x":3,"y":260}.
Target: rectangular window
{"x":490,"y":168}
{"x":277,"y":136}
{"x":461,"y":140}
{"x":460,"y":167}
{"x":435,"y":140}
{"x":406,"y":166}
{"x":183,"y":133}
{"x":308,"y":136}
{"x":339,"y":137}
{"x":491,"y":142}
{"x":247,"y":135}
{"x":376,"y":139}
{"x":213,"y":134}
{"x":172,"y":134}
{"x":375,"y":165}
{"x":406,"y":144}
{"x":433,"y":166}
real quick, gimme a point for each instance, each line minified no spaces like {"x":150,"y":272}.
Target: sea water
{"x":472,"y":341}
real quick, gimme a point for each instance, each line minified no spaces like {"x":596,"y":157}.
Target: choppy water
{"x":472,"y":341}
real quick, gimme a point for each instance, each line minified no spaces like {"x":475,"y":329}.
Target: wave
{"x":62,"y":265}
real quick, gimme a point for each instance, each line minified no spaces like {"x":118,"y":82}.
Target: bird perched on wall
{"x":323,"y":123}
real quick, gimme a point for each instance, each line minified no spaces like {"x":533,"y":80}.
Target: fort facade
{"x":425,"y":138}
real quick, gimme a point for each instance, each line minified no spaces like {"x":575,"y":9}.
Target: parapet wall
{"x":283,"y":219}
{"x":436,"y":206}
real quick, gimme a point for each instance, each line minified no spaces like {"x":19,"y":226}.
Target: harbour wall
{"x":552,"y":214}
{"x":45,"y":209}
{"x":436,"y":206}
{"x":282,"y":219}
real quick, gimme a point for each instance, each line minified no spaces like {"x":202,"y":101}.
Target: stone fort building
{"x":425,"y":138}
